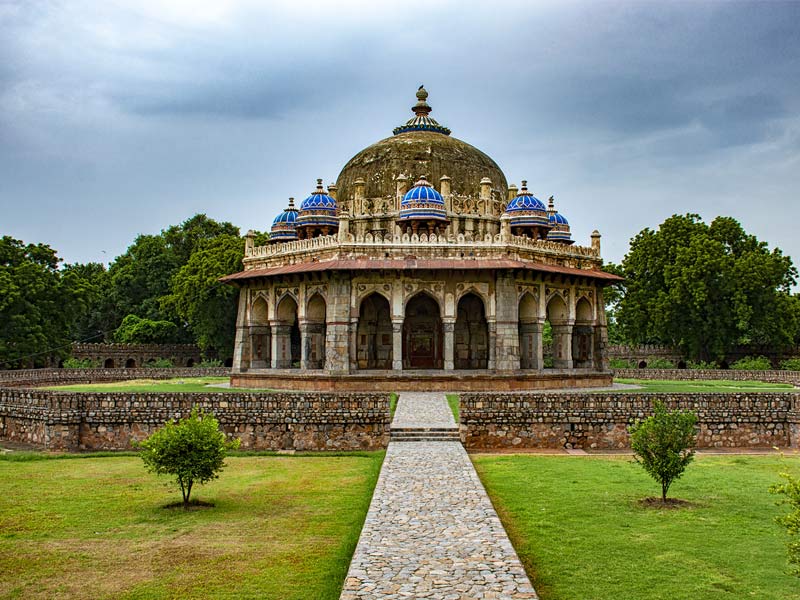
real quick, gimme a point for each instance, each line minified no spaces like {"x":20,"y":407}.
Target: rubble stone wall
{"x":59,"y":420}
{"x":601,"y":420}
{"x":773,"y":376}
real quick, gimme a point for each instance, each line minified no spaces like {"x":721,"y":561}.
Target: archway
{"x":287,"y":333}
{"x":557,"y":317}
{"x":530,"y":332}
{"x":109,"y":363}
{"x":315,"y":332}
{"x":422,"y":334}
{"x":471,"y":334}
{"x":260,"y":338}
{"x":583,"y":335}
{"x":130,"y":363}
{"x":374,"y":333}
{"x":190,"y":363}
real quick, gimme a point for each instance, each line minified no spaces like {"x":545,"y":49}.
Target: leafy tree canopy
{"x":135,"y":330}
{"x":707,"y":288}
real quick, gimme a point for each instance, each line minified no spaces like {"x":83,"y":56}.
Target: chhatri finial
{"x":320,"y":189}
{"x":551,"y":204}
{"x":421,"y":108}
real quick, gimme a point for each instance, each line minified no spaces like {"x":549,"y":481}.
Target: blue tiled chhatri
{"x":422,"y":202}
{"x":560,"y":231}
{"x":283,"y":227}
{"x":318,"y":210}
{"x":526,"y":210}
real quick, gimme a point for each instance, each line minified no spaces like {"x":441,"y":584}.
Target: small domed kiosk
{"x":421,"y":264}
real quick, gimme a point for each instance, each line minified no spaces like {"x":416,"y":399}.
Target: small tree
{"x":791,"y":492}
{"x":662,"y":444}
{"x":192,"y":449}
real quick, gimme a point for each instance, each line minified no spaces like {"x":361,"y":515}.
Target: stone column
{"x":282,"y":346}
{"x":337,"y":336}
{"x":531,"y":350}
{"x":397,"y":344}
{"x":274,"y":342}
{"x":601,"y":334}
{"x":562,"y":346}
{"x":506,"y":346}
{"x":491,"y":329}
{"x":241,"y":349}
{"x":448,"y":327}
{"x":305,"y":346}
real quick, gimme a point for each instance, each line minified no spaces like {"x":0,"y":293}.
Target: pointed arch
{"x":287,"y":333}
{"x":530,"y":333}
{"x":471,"y":333}
{"x":422,"y":333}
{"x":315,"y":330}
{"x":374,"y":333}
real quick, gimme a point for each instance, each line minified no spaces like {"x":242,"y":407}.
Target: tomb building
{"x":421,"y":264}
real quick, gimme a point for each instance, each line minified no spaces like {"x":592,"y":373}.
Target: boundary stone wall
{"x":600,"y":420}
{"x":59,"y":420}
{"x":774,"y":376}
{"x":136,"y":355}
{"x":42,"y":377}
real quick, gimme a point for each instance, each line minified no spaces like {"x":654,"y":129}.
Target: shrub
{"x":209,"y":363}
{"x":790,"y":364}
{"x":80,"y":363}
{"x":662,"y":444}
{"x":752,"y":363}
{"x":192,"y":449}
{"x":791,"y":496}
{"x":159,"y":363}
{"x":620,"y":363}
{"x":660,"y":363}
{"x":701,"y":365}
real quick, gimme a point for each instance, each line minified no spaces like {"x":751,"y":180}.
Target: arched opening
{"x":130,"y":363}
{"x":287,"y":333}
{"x":190,"y":362}
{"x":642,"y":364}
{"x":530,"y":333}
{"x":260,"y":338}
{"x":561,"y":345}
{"x":471,"y":334}
{"x":315,"y":332}
{"x":109,"y":363}
{"x":583,"y":335}
{"x":229,"y":362}
{"x":374,"y":333}
{"x":422,"y":334}
{"x":681,"y":364}
{"x":724,"y":365}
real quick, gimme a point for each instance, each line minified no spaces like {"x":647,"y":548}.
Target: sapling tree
{"x":663,"y":444}
{"x":791,"y":496}
{"x":192,"y":449}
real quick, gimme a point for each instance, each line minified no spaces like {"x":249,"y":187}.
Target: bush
{"x":662,"y":444}
{"x":159,"y":363}
{"x":701,"y":365}
{"x":660,"y":363}
{"x":80,"y":363}
{"x":192,"y":449}
{"x":790,"y":364}
{"x":620,"y":363}
{"x":791,"y":492}
{"x":209,"y":363}
{"x":750,"y":363}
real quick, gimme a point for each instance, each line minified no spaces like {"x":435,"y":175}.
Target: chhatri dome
{"x":421,"y":264}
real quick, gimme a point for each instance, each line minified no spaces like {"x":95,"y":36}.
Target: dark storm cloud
{"x":230,"y":107}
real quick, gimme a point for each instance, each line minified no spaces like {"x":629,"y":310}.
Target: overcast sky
{"x":123,"y":117}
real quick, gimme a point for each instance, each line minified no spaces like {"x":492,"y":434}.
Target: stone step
{"x":427,"y":435}
{"x":425,"y":439}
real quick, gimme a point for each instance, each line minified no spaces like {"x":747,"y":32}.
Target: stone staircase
{"x":424,"y":434}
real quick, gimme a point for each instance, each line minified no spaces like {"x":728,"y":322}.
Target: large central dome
{"x":420,"y":147}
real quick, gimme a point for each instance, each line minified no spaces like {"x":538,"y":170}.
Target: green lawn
{"x":669,"y":386}
{"x":179,"y":384}
{"x":452,"y":401}
{"x":578,"y":527}
{"x":282,"y":527}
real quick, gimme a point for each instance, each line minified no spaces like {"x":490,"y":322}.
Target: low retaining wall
{"x":47,"y":377}
{"x":274,"y":421}
{"x":600,"y":420}
{"x":729,"y":374}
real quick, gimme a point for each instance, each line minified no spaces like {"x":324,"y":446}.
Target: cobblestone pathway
{"x":431,"y":531}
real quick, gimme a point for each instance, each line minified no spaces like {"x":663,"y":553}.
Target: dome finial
{"x":422,"y":121}
{"x":421,"y":108}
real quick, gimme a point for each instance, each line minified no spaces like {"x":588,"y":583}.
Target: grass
{"x":179,"y":384}
{"x":281,"y":527}
{"x":392,"y":403}
{"x":581,"y":532}
{"x":711,"y":386}
{"x":452,"y":401}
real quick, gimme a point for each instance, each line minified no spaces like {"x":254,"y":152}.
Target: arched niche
{"x":374,"y":333}
{"x":471,"y":334}
{"x":560,"y":356}
{"x":316,"y":309}
{"x":422,"y":334}
{"x":583,"y":335}
{"x":530,"y":333}
{"x":260,"y":335}
{"x":287,"y":335}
